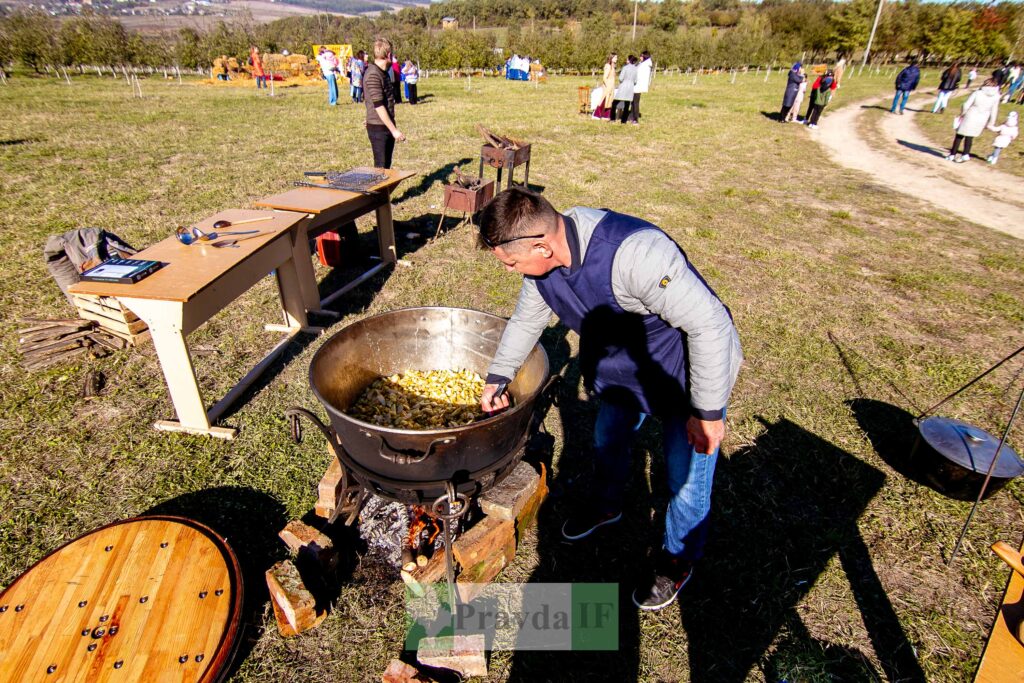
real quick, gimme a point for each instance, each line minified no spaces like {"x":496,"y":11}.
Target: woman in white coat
{"x":978,"y":113}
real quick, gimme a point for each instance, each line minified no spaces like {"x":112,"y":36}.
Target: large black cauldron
{"x":417,"y":465}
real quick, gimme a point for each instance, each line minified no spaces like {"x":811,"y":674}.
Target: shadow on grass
{"x":439,"y":175}
{"x":933,"y":151}
{"x":784,"y":507}
{"x":250,"y":520}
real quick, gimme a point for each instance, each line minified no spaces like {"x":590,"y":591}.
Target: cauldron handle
{"x":404,"y":458}
{"x":293,"y":415}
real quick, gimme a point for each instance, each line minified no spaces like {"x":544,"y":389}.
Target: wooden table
{"x":328,"y":209}
{"x":1003,"y":658}
{"x":196,"y":283}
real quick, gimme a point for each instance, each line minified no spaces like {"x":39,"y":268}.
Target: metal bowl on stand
{"x":955,"y":456}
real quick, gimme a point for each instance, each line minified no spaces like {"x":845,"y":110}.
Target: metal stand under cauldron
{"x":971,"y":463}
{"x":441,"y":469}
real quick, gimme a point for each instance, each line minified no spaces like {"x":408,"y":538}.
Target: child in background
{"x":1005,"y":134}
{"x":972,"y":74}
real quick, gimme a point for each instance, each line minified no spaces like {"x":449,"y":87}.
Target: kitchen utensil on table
{"x":192,"y":235}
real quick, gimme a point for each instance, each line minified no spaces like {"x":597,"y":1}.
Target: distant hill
{"x":354,"y":6}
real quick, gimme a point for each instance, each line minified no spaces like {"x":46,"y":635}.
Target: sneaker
{"x":812,"y":126}
{"x":956,"y":159}
{"x":661,"y":588}
{"x":586,"y":521}
{"x":964,"y":159}
{"x":950,"y":157}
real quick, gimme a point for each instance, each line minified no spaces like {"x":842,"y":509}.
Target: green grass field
{"x":857,"y":307}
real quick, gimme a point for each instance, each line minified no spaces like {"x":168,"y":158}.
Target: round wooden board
{"x":145,"y":599}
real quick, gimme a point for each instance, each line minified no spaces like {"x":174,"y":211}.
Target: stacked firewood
{"x":499,"y":141}
{"x":43,"y":343}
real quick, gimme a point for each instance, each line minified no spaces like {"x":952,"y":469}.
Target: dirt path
{"x":916,"y":167}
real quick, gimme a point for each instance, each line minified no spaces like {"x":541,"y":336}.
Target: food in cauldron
{"x":430,"y":399}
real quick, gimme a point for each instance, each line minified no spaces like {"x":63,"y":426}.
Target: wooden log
{"x":55,"y":359}
{"x":302,"y":538}
{"x":507,"y":499}
{"x":473,"y":580}
{"x":108,"y":340}
{"x":293,"y":600}
{"x":485,"y":539}
{"x":464,"y":654}
{"x":527,"y":516}
{"x":329,"y":490}
{"x":55,"y":348}
{"x":43,"y":346}
{"x":52,"y":321}
{"x":37,"y":332}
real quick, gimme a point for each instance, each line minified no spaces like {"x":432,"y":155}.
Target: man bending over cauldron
{"x":654,"y":340}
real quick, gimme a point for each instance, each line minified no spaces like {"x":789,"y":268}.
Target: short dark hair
{"x":515,"y":213}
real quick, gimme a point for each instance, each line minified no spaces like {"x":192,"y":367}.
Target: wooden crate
{"x":112,"y":317}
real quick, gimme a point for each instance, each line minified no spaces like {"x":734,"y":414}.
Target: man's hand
{"x":398,"y":135}
{"x":487,"y":402}
{"x":705,"y":435}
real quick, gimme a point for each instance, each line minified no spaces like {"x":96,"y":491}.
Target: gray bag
{"x":69,"y":255}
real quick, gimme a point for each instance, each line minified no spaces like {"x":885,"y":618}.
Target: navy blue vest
{"x":634,"y":360}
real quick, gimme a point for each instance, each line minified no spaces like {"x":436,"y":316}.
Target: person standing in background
{"x":978,"y":113}
{"x":358,"y":65}
{"x":906,"y":83}
{"x":396,"y":78}
{"x":971,"y":75}
{"x":795,"y":79}
{"x":329,"y":68}
{"x":608,"y":85}
{"x":412,"y":77}
{"x":794,"y":111}
{"x":643,"y":82}
{"x":624,"y":93}
{"x":948,"y":83}
{"x":379,"y":94}
{"x":821,"y":95}
{"x":256,"y":62}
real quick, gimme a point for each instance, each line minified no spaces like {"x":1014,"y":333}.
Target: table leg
{"x":304,"y":267}
{"x":165,"y":326}
{"x":526,"y":174}
{"x":386,"y":232}
{"x":290,"y":289}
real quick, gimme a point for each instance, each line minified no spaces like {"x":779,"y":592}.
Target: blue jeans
{"x":261,"y":82}
{"x":690,"y":475}
{"x":332,"y":89}
{"x":901,"y":98}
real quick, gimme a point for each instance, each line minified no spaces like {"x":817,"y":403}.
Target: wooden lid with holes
{"x":145,"y":599}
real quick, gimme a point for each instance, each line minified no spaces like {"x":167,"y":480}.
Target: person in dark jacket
{"x":796,"y":77}
{"x":906,"y":83}
{"x":379,"y":95}
{"x":655,"y":340}
{"x":948,"y":83}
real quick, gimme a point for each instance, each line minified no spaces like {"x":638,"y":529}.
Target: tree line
{"x":563,"y":34}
